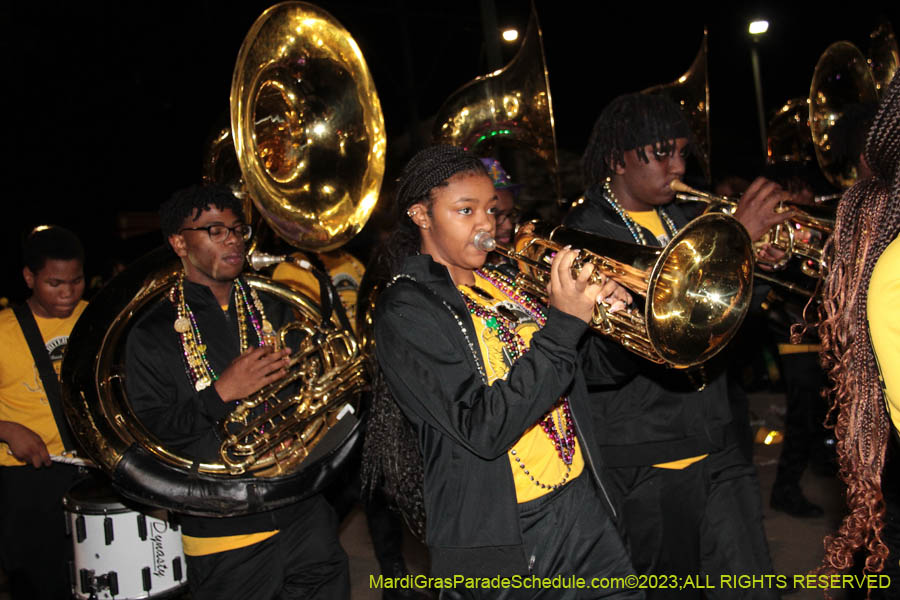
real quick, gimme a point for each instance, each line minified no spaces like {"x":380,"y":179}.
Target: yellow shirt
{"x":22,"y":396}
{"x":534,"y":448}
{"x":346,"y":273}
{"x":649,"y":219}
{"x":884,"y":324}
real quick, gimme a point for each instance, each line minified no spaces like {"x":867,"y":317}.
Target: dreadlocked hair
{"x":631,"y":122}
{"x":191,"y":202}
{"x":868,"y":219}
{"x":391,"y":456}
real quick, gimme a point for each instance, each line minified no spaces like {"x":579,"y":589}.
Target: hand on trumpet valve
{"x":761,"y":208}
{"x":574,"y":289}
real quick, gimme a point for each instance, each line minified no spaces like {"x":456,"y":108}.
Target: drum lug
{"x":145,"y":574}
{"x":142,"y":526}
{"x":108,"y":532}
{"x":80,"y":529}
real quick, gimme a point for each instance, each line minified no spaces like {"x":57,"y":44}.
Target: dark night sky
{"x":111,"y":103}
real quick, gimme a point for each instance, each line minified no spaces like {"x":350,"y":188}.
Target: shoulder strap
{"x":45,"y":370}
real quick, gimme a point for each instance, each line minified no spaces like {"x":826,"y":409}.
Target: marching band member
{"x":188,"y":360}
{"x":34,"y":549}
{"x":491,"y":383}
{"x":691,"y":500}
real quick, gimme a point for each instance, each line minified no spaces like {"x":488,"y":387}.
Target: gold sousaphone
{"x":309,"y":135}
{"x":511,"y":104}
{"x":691,"y":93}
{"x":844,"y":77}
{"x":694,"y":293}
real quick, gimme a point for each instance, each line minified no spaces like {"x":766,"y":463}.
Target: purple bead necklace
{"x":561,"y":429}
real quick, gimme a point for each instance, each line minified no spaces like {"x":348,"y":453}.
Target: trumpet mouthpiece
{"x":679,"y":186}
{"x":484,"y":241}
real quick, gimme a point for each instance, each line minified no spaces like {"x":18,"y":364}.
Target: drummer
{"x":34,"y":549}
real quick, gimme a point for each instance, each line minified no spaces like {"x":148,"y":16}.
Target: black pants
{"x":34,"y":548}
{"x":568,"y":532}
{"x":304,"y":560}
{"x":702,"y":520}
{"x":806,"y":408}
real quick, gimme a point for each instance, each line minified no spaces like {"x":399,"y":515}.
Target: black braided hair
{"x":429,"y":169}
{"x":51,"y":242}
{"x":191,"y":202}
{"x":631,"y":122}
{"x":391,"y":456}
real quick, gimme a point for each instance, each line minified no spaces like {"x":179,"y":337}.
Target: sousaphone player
{"x":188,"y":359}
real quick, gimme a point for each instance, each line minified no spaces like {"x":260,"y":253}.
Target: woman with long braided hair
{"x":859,"y":330}
{"x":492,"y":385}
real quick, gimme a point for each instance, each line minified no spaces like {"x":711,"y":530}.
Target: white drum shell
{"x":141,"y":550}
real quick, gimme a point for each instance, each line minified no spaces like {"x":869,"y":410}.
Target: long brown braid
{"x":868,"y":220}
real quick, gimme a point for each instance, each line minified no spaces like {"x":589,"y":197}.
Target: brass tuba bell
{"x":691,"y":93}
{"x":309,"y":137}
{"x":307,"y":126}
{"x":513,"y":104}
{"x":884,"y":55}
{"x":841,"y":78}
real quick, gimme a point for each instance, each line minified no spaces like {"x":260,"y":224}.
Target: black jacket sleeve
{"x":177,"y":415}
{"x":428,"y":364}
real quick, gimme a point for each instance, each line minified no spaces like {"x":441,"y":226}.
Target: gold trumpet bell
{"x":696,"y":291}
{"x":699,"y":290}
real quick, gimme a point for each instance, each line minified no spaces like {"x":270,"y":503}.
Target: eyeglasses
{"x":220,"y":233}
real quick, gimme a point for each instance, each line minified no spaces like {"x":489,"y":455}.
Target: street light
{"x":757,"y":29}
{"x":510,"y":35}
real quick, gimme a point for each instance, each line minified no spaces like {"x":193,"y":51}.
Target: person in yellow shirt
{"x":666,"y":435}
{"x":491,"y":383}
{"x":861,"y":353}
{"x":34,"y":549}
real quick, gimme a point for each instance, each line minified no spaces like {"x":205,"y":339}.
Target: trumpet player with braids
{"x":861,"y":354}
{"x":197,"y":351}
{"x":488,"y":382}
{"x":690,"y":499}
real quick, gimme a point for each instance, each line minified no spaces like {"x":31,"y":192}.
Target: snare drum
{"x":119,"y":552}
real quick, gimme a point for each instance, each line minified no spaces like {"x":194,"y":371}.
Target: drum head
{"x":93,"y":496}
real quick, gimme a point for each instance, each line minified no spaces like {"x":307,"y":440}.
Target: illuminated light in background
{"x":758,"y":27}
